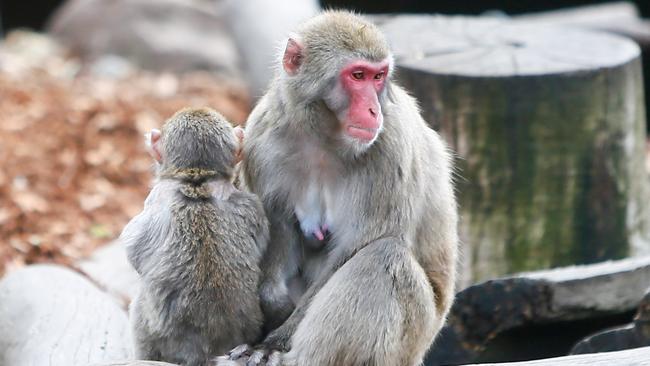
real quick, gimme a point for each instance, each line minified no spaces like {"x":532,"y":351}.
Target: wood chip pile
{"x":73,"y":165}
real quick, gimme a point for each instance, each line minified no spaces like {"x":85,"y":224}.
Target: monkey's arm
{"x":260,"y":224}
{"x":250,"y":208}
{"x":280,"y":338}
{"x":147,"y":230}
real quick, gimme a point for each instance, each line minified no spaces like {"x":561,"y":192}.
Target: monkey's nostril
{"x":372,"y":112}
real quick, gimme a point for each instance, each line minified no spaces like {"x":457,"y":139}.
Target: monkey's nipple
{"x":321,"y":232}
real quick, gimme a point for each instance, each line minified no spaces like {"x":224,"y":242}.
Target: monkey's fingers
{"x":240,"y":351}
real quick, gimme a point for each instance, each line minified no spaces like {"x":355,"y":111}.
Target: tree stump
{"x":549,"y":123}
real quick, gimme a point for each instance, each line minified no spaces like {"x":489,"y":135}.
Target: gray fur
{"x":378,"y":293}
{"x":197,"y":246}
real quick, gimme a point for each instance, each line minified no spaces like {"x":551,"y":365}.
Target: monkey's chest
{"x":314,"y":209}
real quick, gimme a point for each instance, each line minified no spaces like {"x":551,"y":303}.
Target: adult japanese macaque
{"x":359,"y":193}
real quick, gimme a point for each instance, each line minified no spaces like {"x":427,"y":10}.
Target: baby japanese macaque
{"x":197,"y":246}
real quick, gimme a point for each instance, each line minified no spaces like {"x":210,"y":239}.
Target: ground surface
{"x":73,"y":169}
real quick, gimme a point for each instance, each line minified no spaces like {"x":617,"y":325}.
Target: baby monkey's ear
{"x":239,"y":151}
{"x":152,"y":141}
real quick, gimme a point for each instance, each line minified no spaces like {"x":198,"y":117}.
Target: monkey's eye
{"x":357,"y":75}
{"x":379,"y":76}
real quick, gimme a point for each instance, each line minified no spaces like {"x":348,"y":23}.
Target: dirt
{"x":74,"y":169}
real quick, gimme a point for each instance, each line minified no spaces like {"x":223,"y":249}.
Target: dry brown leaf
{"x":30,"y":202}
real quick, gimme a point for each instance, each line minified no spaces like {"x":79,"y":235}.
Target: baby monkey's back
{"x":197,"y":246}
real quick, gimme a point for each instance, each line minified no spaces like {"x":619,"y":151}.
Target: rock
{"x":50,"y":315}
{"x":111,"y":270}
{"x":633,"y":335}
{"x":539,"y":314}
{"x":259,"y":44}
{"x":161,"y":35}
{"x":112,"y":66}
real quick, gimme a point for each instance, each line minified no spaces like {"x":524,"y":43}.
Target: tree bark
{"x":549,"y":124}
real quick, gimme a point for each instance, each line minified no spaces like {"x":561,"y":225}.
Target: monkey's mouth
{"x":362,"y":133}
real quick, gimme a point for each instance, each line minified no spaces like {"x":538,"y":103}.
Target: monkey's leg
{"x":145,"y":346}
{"x":377,"y":309}
{"x":188,"y":348}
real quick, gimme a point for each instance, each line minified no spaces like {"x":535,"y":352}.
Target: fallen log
{"x":633,"y":335}
{"x":50,"y":315}
{"x":539,"y":314}
{"x":157,"y":363}
{"x":136,"y":363}
{"x":110,"y":269}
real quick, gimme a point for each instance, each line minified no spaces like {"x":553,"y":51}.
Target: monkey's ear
{"x":239,"y":134}
{"x":152,"y":140}
{"x":292,"y":57}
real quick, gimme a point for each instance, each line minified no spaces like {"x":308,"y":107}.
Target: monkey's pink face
{"x":363,"y":82}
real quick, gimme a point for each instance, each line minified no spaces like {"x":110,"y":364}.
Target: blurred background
{"x":544,"y":102}
{"x":35,"y":13}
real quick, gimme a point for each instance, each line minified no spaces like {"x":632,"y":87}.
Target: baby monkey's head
{"x":198,"y":143}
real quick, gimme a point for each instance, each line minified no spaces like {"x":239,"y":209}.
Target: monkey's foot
{"x":240,"y":351}
{"x":246,"y":355}
{"x":265,"y":357}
